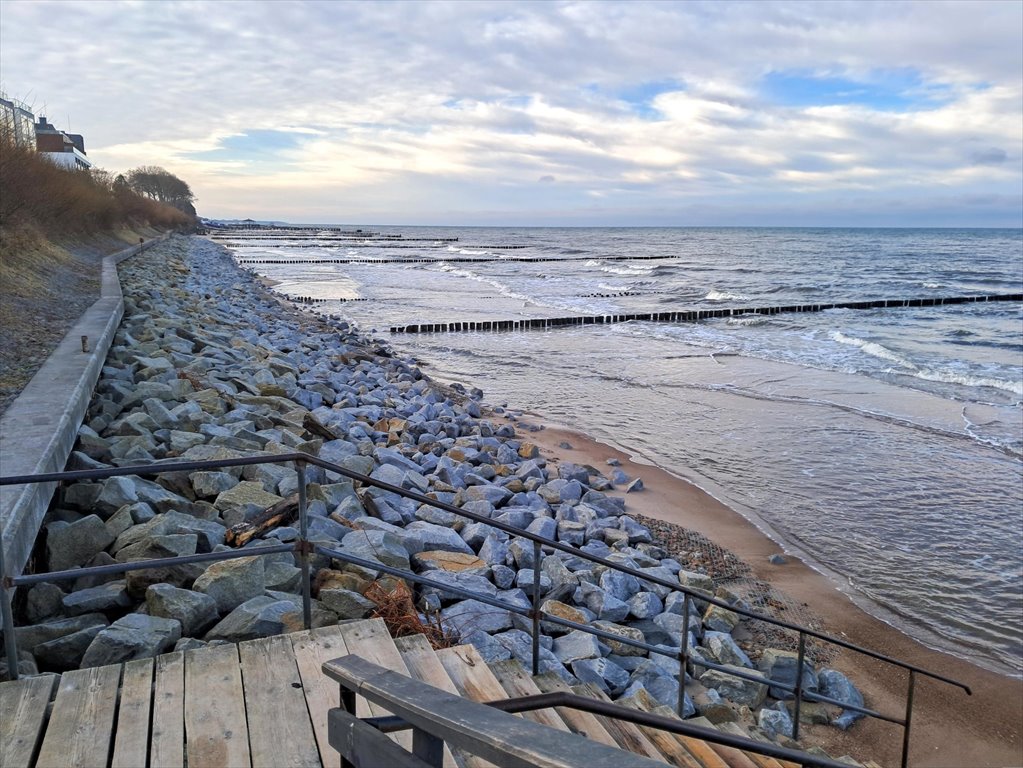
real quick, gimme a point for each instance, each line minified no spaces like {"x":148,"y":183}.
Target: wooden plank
{"x":131,"y":742}
{"x":423,"y":664}
{"x":82,"y":721}
{"x":697,"y":747}
{"x":733,"y":757}
{"x":167,"y":748}
{"x":322,"y":694}
{"x":371,"y":640}
{"x":583,"y":723}
{"x":628,"y":735}
{"x":516,"y":682}
{"x":280,"y":733}
{"x":762,"y":761}
{"x":216,"y":732}
{"x":671,"y":744}
{"x":23,"y":704}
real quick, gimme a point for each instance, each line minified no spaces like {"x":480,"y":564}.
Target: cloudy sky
{"x":561,"y":113}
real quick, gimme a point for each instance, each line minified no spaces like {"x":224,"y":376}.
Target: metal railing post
{"x":303,"y":526}
{"x":799,"y":686}
{"x":10,"y":641}
{"x":683,"y":657}
{"x":537,"y":554}
{"x":909,"y":717}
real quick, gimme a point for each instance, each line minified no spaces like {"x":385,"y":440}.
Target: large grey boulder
{"x":467,"y":615}
{"x":65,"y":653}
{"x":605,"y":605}
{"x":346,"y":603}
{"x":195,"y":611}
{"x":576,"y":645}
{"x":380,"y":546}
{"x":722,"y":648}
{"x":134,"y":636}
{"x":71,"y":544}
{"x":112,"y":596}
{"x":737,"y":690}
{"x":837,"y":686}
{"x":605,"y":674}
{"x":422,"y":536}
{"x":34,"y":634}
{"x":782,"y":666}
{"x":231,"y":582}
{"x":259,"y":617}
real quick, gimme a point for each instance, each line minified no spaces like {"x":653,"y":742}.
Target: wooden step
{"x":629,"y":736}
{"x":216,"y":727}
{"x":516,"y":682}
{"x":322,"y":694}
{"x":81,"y":723}
{"x":23,"y":704}
{"x":762,"y":761}
{"x":423,"y":664}
{"x":697,"y":749}
{"x":735,"y":758}
{"x":583,"y":723}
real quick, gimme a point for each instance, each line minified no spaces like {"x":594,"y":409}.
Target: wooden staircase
{"x":265,"y":702}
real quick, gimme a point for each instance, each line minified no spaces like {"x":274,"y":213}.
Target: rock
{"x":379,"y":546}
{"x":134,"y":636}
{"x":605,"y":674}
{"x":71,"y":544}
{"x":44,"y":601}
{"x":467,"y":615}
{"x":66,"y":653}
{"x":521,"y":646}
{"x":622,"y":649}
{"x":489,"y":648}
{"x":259,"y":617}
{"x":735,"y":689}
{"x":421,"y":536}
{"x":606,"y":606}
{"x":720,"y":619}
{"x":453,"y":562}
{"x":210,"y":484}
{"x":495,"y":551}
{"x":116,"y":492}
{"x":775,"y":722}
{"x":524,"y":581}
{"x":576,"y":645}
{"x":346,"y":603}
{"x":635,"y":485}
{"x":619,"y":585}
{"x":195,"y":611}
{"x":723,"y":649}
{"x":154,"y":547}
{"x":782,"y":666}
{"x":837,"y":686}
{"x":776,"y":560}
{"x":112,"y":596}
{"x":248,"y":496}
{"x":232,"y":582}
{"x":30,"y":636}
{"x":645,"y":605}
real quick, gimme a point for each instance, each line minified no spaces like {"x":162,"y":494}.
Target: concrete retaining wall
{"x":38,"y":430}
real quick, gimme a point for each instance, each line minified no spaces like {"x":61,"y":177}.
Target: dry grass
{"x":397,"y":608}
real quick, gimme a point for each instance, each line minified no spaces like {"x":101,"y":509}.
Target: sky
{"x":544,"y":114}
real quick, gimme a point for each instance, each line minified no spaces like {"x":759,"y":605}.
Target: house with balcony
{"x":64,"y":149}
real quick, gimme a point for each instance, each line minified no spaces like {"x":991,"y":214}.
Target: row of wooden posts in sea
{"x":687,"y":316}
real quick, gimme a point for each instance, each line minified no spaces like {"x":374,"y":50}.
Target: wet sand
{"x":949,"y":728}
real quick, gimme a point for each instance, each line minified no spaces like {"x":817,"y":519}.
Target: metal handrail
{"x":304,"y":548}
{"x":533,"y":702}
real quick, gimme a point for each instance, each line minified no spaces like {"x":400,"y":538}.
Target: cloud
{"x":395,"y":110}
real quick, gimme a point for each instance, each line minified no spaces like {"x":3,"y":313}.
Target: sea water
{"x":885,"y":445}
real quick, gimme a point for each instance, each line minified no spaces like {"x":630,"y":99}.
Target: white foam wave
{"x":503,"y":289}
{"x":932,"y":285}
{"x":952,"y":377}
{"x":725,"y":296}
{"x":612,"y":287}
{"x":465,"y":251}
{"x":627,"y":270}
{"x":748,"y":321}
{"x":873,"y":349}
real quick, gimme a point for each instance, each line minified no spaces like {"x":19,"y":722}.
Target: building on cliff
{"x":66,"y":149}
{"x":17,"y":123}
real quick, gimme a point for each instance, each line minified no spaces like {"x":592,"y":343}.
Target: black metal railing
{"x":304,"y":548}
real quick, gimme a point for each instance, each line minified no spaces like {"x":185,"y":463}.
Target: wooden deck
{"x":260,"y":703}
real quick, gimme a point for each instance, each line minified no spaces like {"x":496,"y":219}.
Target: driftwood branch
{"x":240,"y":534}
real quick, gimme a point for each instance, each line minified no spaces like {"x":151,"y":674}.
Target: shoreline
{"x":949,"y":728}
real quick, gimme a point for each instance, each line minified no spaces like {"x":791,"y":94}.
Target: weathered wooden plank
{"x":322,"y":694}
{"x":371,"y":641}
{"x":762,"y":761}
{"x":167,"y":748}
{"x":280,"y":733}
{"x":504,"y":739}
{"x":733,"y":757}
{"x":23,"y":708}
{"x":628,"y":735}
{"x":583,"y":723}
{"x":131,"y":742}
{"x":697,"y":747}
{"x":516,"y":682}
{"x":423,"y":664}
{"x":216,"y":731}
{"x":82,"y":721}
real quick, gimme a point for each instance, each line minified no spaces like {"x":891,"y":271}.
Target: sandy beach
{"x":949,"y":728}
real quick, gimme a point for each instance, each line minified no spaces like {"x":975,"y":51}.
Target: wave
{"x":932,"y":285}
{"x":612,"y":287}
{"x":465,"y":251}
{"x":873,"y":349}
{"x":965,"y":379}
{"x":715,"y":295}
{"x":748,"y":321}
{"x":627,"y":271}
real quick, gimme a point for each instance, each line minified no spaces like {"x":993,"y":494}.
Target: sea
{"x":883,"y":446}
